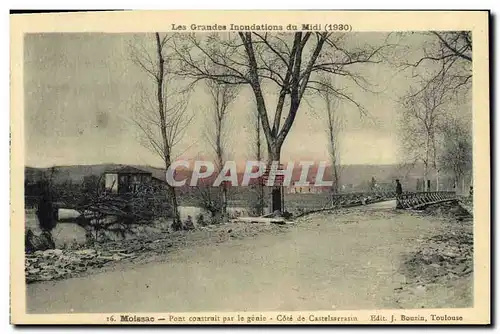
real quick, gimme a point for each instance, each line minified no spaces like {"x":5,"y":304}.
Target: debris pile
{"x":56,"y":263}
{"x":140,"y":206}
{"x":467,"y":204}
{"x":444,"y":256}
{"x":449,"y":210}
{"x":53,"y":264}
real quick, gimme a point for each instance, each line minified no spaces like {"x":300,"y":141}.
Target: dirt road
{"x":323,"y":262}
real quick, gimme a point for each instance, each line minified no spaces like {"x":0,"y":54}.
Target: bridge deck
{"x":382,"y":205}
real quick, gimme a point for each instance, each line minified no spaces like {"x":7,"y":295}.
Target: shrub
{"x":46,"y":212}
{"x":200,"y":220}
{"x":188,"y":224}
{"x":176,"y":225}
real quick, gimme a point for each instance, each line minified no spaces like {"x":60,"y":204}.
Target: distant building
{"x":347,"y":187}
{"x":125,"y":179}
{"x":305,"y":190}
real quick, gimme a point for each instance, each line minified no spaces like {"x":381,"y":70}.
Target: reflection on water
{"x":194,"y":211}
{"x":66,"y":233}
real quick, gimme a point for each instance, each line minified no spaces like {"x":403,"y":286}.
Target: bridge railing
{"x":407,"y":200}
{"x":415,"y":200}
{"x":360,"y":198}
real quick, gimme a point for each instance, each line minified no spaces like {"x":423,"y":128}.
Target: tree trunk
{"x":220,"y":155}
{"x":426,"y":180}
{"x":332,"y":143}
{"x":259,"y":159}
{"x":276,"y":199}
{"x":175,"y":205}
{"x":163,"y":125}
{"x":172,"y":194}
{"x":336,"y":179}
{"x":437,"y":180}
{"x":223,"y":191}
{"x":471,"y":181}
{"x":223,"y":200}
{"x":335,"y":167}
{"x":426,"y":163}
{"x":274,"y":155}
{"x":223,"y":203}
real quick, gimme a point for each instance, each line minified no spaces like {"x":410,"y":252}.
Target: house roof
{"x":127,"y":170}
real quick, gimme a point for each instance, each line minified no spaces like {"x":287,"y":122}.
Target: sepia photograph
{"x":252,"y":171}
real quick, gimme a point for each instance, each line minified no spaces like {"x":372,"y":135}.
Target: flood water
{"x":67,"y":233}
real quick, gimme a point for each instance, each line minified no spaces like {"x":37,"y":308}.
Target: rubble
{"x":56,"y":264}
{"x":188,"y":224}
{"x":449,"y":210}
{"x":40,"y":242}
{"x":467,"y":204}
{"x":442,"y":262}
{"x":445,"y":255}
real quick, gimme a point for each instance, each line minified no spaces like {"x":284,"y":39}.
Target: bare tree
{"x":449,"y":55}
{"x":222,"y":95}
{"x":334,"y":126}
{"x":287,"y":62}
{"x":456,"y":156}
{"x":161,"y":112}
{"x":203,"y":195}
{"x":419,"y":126}
{"x":445,"y":71}
{"x":259,"y":157}
{"x":257,"y":202}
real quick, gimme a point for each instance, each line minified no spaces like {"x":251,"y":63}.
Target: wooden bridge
{"x":385,"y":200}
{"x":360,"y":198}
{"x":408,"y":200}
{"x":417,"y":200}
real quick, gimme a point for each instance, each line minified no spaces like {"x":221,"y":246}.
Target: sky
{"x":81,"y":89}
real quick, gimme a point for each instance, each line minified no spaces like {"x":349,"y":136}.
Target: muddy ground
{"x":84,"y":260}
{"x":353,"y":259}
{"x":442,"y":264}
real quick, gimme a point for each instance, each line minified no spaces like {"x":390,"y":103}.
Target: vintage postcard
{"x":250,"y":167}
